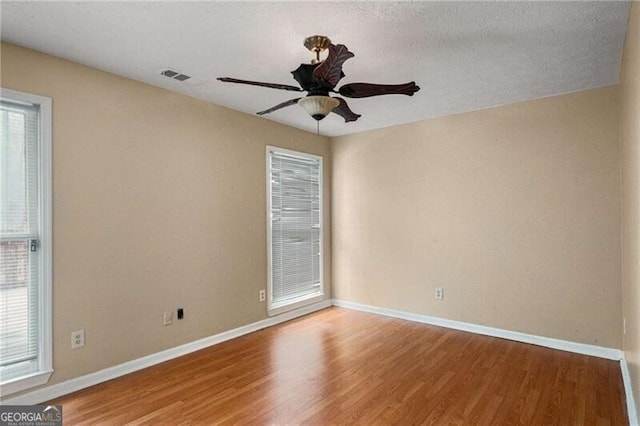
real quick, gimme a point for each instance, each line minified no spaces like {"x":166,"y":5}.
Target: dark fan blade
{"x":277,"y":107}
{"x":364,"y":90}
{"x":304,"y":75}
{"x":259,"y":83}
{"x":345,"y":112}
{"x":330,"y":71}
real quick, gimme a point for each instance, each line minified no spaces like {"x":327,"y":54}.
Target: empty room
{"x":291,"y":213}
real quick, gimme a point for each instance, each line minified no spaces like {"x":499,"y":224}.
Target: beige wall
{"x":513,"y":210}
{"x":630,"y":135}
{"x":159,"y":203}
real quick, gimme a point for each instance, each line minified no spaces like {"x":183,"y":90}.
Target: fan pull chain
{"x":317,"y":127}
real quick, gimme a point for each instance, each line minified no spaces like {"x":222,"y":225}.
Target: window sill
{"x":25,"y":382}
{"x":295,"y":304}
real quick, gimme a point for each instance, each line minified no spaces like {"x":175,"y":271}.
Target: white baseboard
{"x":628,"y":390}
{"x":564,"y":345}
{"x":54,"y":391}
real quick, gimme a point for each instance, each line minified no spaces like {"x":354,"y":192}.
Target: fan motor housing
{"x":304,"y":76}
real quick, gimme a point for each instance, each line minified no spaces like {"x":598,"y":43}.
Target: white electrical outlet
{"x":439,"y":293}
{"x":263,"y":295}
{"x":77,"y":339}
{"x":168,"y":318}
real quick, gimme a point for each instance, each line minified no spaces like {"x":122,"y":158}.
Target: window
{"x":25,"y":241}
{"x":294,"y":207}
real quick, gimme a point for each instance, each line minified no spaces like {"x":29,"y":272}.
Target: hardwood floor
{"x":340,"y":366}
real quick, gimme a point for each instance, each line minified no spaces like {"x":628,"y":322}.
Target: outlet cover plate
{"x":439,"y":293}
{"x":77,"y":339}
{"x":168,"y":318}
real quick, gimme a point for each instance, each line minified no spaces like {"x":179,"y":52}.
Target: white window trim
{"x":306,"y":300}
{"x":45,"y":344}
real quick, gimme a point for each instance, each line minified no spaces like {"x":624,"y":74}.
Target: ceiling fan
{"x":319,"y":78}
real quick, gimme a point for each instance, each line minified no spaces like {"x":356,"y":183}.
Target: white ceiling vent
{"x":175,"y":75}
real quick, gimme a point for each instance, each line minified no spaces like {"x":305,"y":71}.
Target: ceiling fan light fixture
{"x":318,"y":107}
{"x":319,"y":79}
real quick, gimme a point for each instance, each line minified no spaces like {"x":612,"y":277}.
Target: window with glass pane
{"x":295,"y":228}
{"x":19,"y":240}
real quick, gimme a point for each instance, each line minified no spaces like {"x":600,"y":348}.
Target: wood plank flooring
{"x":340,"y":366}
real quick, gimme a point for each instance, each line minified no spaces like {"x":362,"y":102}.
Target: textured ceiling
{"x":464,"y":55}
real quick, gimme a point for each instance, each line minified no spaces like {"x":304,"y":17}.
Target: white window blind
{"x":19,"y":240}
{"x":295,"y":227}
